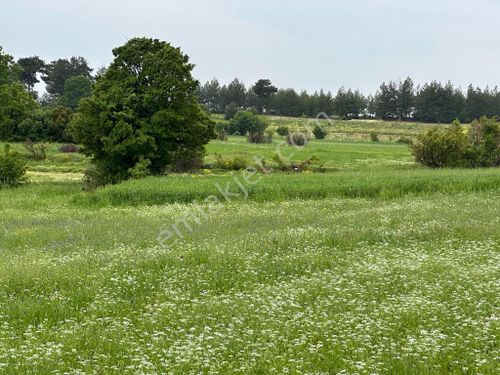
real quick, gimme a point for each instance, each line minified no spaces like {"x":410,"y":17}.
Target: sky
{"x":311,"y":45}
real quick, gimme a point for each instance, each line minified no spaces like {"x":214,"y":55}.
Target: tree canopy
{"x":142,"y":108}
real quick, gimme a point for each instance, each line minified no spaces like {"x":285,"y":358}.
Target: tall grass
{"x":281,"y":186}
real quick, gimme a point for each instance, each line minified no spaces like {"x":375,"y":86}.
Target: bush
{"x":37,"y":151}
{"x":282,"y":131}
{"x":187,"y":160}
{"x":69,"y":148}
{"x":245,"y":122}
{"x":297,"y":139}
{"x":12,"y":168}
{"x":291,"y":166}
{"x":230,"y":111}
{"x":141,"y":169}
{"x":405,"y":140}
{"x":221,"y":131}
{"x":319,"y":132}
{"x":231,"y":164}
{"x":374,"y":137}
{"x":260,"y":137}
{"x":441,"y":148}
{"x":95,"y":177}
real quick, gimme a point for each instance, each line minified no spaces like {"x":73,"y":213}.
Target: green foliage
{"x":75,"y":89}
{"x":142,"y":107}
{"x":57,"y":72}
{"x":231,"y":111}
{"x":374,"y":137}
{"x":9,"y":70}
{"x":141,"y":169}
{"x":439,"y":104}
{"x":282,"y":131}
{"x":187,"y":160}
{"x":319,"y":132}
{"x":292,"y":166}
{"x":16,"y":105}
{"x":439,"y":148}
{"x":349,"y":104}
{"x":37,"y":151}
{"x":31,"y":66}
{"x":297,"y":139}
{"x":12,"y":168}
{"x":263,"y":89}
{"x":235,"y":163}
{"x":453,"y":148}
{"x":246,"y":122}
{"x":48,"y":124}
{"x":260,"y":137}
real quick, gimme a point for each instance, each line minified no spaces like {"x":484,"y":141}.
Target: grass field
{"x":376,"y":266}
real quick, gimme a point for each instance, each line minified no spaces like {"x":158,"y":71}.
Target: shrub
{"x":37,"y":151}
{"x":95,"y":177}
{"x":282,"y":131}
{"x":260,"y":137}
{"x":69,"y":148}
{"x":319,"y":132}
{"x":230,"y":111}
{"x":297,"y":139}
{"x":221,"y":131}
{"x":245,"y":122}
{"x":441,"y":148}
{"x":187,"y":160}
{"x":141,"y":169}
{"x":405,"y":140}
{"x":374,"y":137}
{"x":291,"y":166}
{"x":484,"y":140}
{"x":12,"y":168}
{"x":232,"y":164}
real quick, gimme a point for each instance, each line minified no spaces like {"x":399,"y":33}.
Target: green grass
{"x":376,"y":266}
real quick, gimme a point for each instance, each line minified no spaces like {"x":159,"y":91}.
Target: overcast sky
{"x":301,"y":44}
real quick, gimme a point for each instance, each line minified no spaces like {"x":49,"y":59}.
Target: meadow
{"x":366,"y":264}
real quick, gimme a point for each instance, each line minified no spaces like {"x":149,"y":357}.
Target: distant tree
{"x":235,"y":92}
{"x":31,"y":66}
{"x":287,"y":102}
{"x":16,"y":105}
{"x":230,"y":111}
{"x":348,"y":104}
{"x":438,"y":104}
{"x":9,"y":70}
{"x":246,"y":122}
{"x":58,"y":126}
{"x":57,"y":72}
{"x":142,"y":113}
{"x":386,"y":101}
{"x":405,"y":99}
{"x":210,"y":95}
{"x":263,"y":88}
{"x":75,"y":89}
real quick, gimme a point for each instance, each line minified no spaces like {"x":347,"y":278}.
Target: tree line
{"x":26,"y":115}
{"x":432,"y":102}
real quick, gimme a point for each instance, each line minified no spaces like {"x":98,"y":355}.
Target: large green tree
{"x":142,"y":111}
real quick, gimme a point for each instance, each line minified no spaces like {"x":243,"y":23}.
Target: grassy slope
{"x":387,"y":269}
